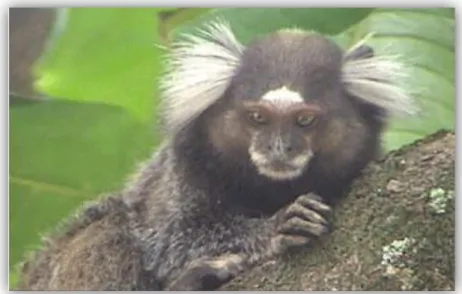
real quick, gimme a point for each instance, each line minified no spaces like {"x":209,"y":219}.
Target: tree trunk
{"x":394,"y":231}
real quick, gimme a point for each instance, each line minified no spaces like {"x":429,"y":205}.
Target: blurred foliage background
{"x":83,"y":92}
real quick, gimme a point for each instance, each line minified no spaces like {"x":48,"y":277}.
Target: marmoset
{"x":260,"y":140}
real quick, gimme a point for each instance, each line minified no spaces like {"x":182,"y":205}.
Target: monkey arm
{"x":254,"y":240}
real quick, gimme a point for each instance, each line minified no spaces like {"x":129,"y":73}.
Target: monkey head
{"x":283,"y":91}
{"x":284,"y":99}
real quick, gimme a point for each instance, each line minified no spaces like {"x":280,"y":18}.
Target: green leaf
{"x":250,"y":22}
{"x":108,"y":55}
{"x":62,"y":154}
{"x":13,"y":279}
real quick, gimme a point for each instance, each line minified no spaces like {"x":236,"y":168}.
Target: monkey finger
{"x":298,"y":210}
{"x":314,"y":201}
{"x":298,"y":226}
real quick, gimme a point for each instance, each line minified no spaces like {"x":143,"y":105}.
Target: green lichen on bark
{"x":391,"y":202}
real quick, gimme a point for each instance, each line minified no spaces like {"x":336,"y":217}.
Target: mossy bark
{"x":390,"y":202}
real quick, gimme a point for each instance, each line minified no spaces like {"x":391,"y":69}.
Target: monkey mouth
{"x":279,"y":170}
{"x":281,"y":166}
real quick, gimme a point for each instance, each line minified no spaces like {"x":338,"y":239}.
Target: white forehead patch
{"x":283,"y":97}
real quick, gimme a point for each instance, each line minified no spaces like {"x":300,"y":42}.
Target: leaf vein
{"x":46,"y":186}
{"x":414,"y":37}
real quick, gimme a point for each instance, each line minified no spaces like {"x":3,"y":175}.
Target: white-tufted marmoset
{"x":259,"y":142}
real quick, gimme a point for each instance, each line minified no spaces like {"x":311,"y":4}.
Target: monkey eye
{"x":257,"y":117}
{"x":305,"y":120}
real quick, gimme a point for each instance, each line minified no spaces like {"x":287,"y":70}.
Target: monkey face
{"x":281,"y":126}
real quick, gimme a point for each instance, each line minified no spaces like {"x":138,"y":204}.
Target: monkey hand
{"x":208,"y":274}
{"x":301,"y":221}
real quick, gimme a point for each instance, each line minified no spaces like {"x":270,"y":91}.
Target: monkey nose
{"x":280,"y":154}
{"x":286,"y":148}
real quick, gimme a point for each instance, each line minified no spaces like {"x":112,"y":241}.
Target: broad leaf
{"x":250,"y":22}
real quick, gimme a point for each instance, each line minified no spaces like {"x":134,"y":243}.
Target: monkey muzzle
{"x":279,"y":164}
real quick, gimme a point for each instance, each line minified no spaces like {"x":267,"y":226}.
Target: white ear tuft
{"x":376,"y":80}
{"x":198,"y":71}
